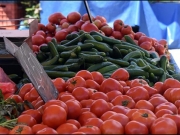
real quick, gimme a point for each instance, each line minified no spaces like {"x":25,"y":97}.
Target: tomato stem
{"x":144,"y":115}
{"x":125,"y":103}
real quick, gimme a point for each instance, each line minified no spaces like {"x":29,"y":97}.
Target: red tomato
{"x":26,"y":119}
{"x":151,"y":90}
{"x":89,"y":129}
{"x":126,"y":29}
{"x":60,"y":84}
{"x":33,"y":94}
{"x":110,"y":84}
{"x":99,"y":107}
{"x":121,"y":118}
{"x":47,"y":130}
{"x":61,"y":35}
{"x":120,"y":74}
{"x":41,"y":32}
{"x":164,"y":126}
{"x":24,"y":89}
{"x":97,"y":77}
{"x":86,"y":103}
{"x":80,"y":93}
{"x":120,"y":109}
{"x":75,"y":82}
{"x":123,"y":100}
{"x":21,"y":129}
{"x":99,"y":95}
{"x":74,"y":109}
{"x":38,"y":40}
{"x":138,"y":82}
{"x":161,"y":112}
{"x":167,"y":105}
{"x":35,"y":48}
{"x":35,"y":114}
{"x":92,"y":84}
{"x":113,"y":94}
{"x":135,"y":127}
{"x":144,"y":104}
{"x":4,"y":130}
{"x":94,"y":122}
{"x":144,"y":39}
{"x":107,"y":114}
{"x":66,"y":97}
{"x":75,"y":122}
{"x":85,"y":116}
{"x":138,"y":93}
{"x":144,"y":116}
{"x":155,"y":101}
{"x":84,"y":74}
{"x":17,"y":98}
{"x":66,"y":128}
{"x":112,"y":127}
{"x":54,"y":116}
{"x":38,"y":127}
{"x":130,"y":112}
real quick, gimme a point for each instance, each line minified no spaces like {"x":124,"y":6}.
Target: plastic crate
{"x":10,"y":12}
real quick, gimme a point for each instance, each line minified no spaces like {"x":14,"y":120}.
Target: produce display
{"x":109,"y":81}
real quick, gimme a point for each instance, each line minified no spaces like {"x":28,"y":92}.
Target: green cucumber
{"x":129,"y":39}
{"x":158,"y":71}
{"x":60,"y":48}
{"x":71,"y":36}
{"x":163,"y":62}
{"x":56,"y":74}
{"x":60,"y":68}
{"x":44,"y":48}
{"x":86,"y":46}
{"x":116,"y":53}
{"x":73,"y":66}
{"x":52,"y":61}
{"x":75,"y":60}
{"x":119,"y":62}
{"x":98,"y":66}
{"x":94,"y":53}
{"x":41,"y":56}
{"x":88,"y":36}
{"x":137,"y":72}
{"x":105,"y":38}
{"x":100,"y":46}
{"x":123,"y":51}
{"x":91,"y":58}
{"x":71,"y":54}
{"x":61,"y":60}
{"x":54,"y":41}
{"x":97,"y":38}
{"x":133,"y":54}
{"x":64,"y":42}
{"x":126,"y":47}
{"x":153,"y":54}
{"x":107,"y":69}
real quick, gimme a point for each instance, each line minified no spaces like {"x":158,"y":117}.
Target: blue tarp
{"x":157,"y":20}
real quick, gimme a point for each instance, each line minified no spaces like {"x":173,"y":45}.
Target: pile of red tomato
{"x":91,"y":104}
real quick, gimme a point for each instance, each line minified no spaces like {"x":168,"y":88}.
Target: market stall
{"x":87,"y":70}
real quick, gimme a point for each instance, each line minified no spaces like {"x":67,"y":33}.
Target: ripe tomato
{"x":41,"y":32}
{"x":75,"y":122}
{"x":158,"y":86}
{"x":92,"y":84}
{"x":167,"y":94}
{"x":74,"y":109}
{"x":146,"y":45}
{"x":47,"y":130}
{"x":164,"y":126}
{"x":73,"y":17}
{"x":144,"y":39}
{"x":66,"y":97}
{"x":135,"y":127}
{"x":55,"y":102}
{"x":144,"y":116}
{"x":144,"y":104}
{"x":89,"y":129}
{"x":121,"y":118}
{"x":91,"y":91}
{"x":110,"y":84}
{"x":50,"y":27}
{"x":75,"y":82}
{"x":17,"y":98}
{"x":138,"y":82}
{"x":35,"y":114}
{"x":125,"y":89}
{"x":175,"y":118}
{"x":54,"y":116}
{"x":41,"y":27}
{"x":94,"y":122}
{"x":175,"y":95}
{"x":99,"y":95}
{"x":126,"y":29}
{"x":97,"y":77}
{"x":86,"y":103}
{"x":99,"y":107}
{"x":120,"y":74}
{"x":167,"y":105}
{"x":113,"y":94}
{"x":156,"y":95}
{"x":66,"y":128}
{"x":24,"y":89}
{"x":130,"y":112}
{"x":4,"y":130}
{"x":38,"y":104}
{"x":80,"y":93}
{"x":177,"y":103}
{"x":84,"y":74}
{"x":151,"y":90}
{"x":171,"y":83}
{"x":85,"y":116}
{"x":112,"y":127}
{"x":137,"y":35}
{"x":107,"y":114}
{"x":38,"y":127}
{"x":33,"y":94}
{"x":21,"y":129}
{"x":161,"y":112}
{"x":38,"y":40}
{"x":120,"y":109}
{"x":26,"y":119}
{"x":78,"y":133}
{"x":118,"y":24}
{"x":138,"y":93}
{"x":155,"y":101}
{"x":60,"y":84}
{"x":123,"y":100}
{"x":61,"y":35}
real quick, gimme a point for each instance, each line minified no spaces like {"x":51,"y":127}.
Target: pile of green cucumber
{"x":96,"y":52}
